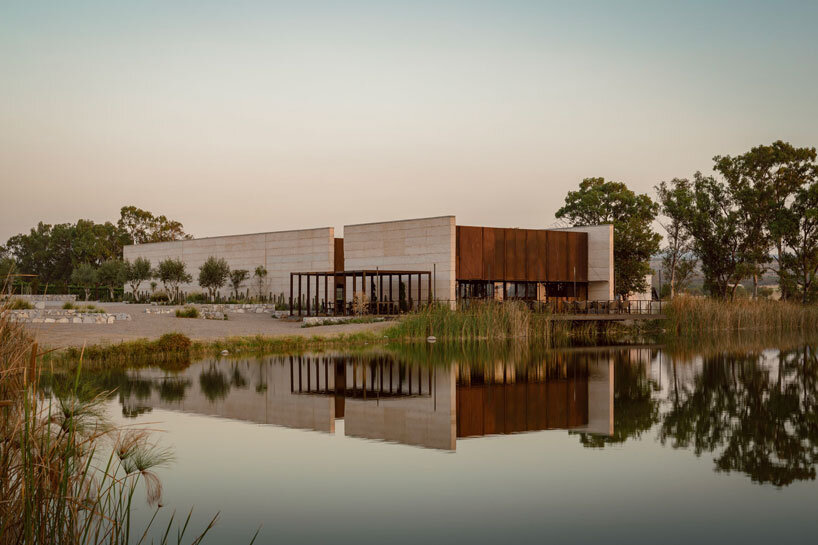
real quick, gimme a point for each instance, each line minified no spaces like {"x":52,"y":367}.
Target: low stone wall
{"x":41,"y":316}
{"x":311,"y":321}
{"x":60,"y":298}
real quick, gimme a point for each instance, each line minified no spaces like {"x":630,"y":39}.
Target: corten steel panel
{"x":558,"y":404}
{"x":469,"y":411}
{"x":494,"y":411}
{"x":515,"y":407}
{"x":578,"y":394}
{"x":499,"y":268}
{"x":489,"y":247}
{"x":519,"y":254}
{"x":535,"y":250}
{"x":557,"y":260}
{"x":582,"y":263}
{"x":537,"y":406}
{"x":575,"y":256}
{"x":339,"y":254}
{"x":510,"y":248}
{"x":470,"y":253}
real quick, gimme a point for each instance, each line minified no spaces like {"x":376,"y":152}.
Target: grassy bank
{"x":512,"y":320}
{"x":174,"y":350}
{"x":693,"y":317}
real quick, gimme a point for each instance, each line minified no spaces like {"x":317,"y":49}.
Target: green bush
{"x":68,"y":305}
{"x":187,"y":312}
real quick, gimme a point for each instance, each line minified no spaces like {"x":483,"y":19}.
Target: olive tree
{"x":213,"y":274}
{"x":237,"y":277}
{"x":260,"y":279}
{"x":172,"y":273}
{"x":136,"y":272}
{"x":111,"y":274}
{"x":84,"y":276}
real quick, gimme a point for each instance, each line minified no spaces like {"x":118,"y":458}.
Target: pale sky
{"x":236,"y":117}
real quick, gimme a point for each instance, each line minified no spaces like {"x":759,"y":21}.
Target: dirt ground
{"x":152,"y":326}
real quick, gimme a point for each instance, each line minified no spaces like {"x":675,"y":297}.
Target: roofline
{"x":231,"y":236}
{"x":398,"y":221}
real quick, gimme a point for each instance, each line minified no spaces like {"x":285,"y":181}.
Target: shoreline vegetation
{"x":687,"y":320}
{"x":67,"y":474}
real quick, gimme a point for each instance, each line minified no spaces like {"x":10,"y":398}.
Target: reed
{"x":698,"y":316}
{"x":66,"y":474}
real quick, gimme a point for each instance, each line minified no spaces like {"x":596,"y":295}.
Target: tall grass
{"x":66,"y":474}
{"x":698,"y":316}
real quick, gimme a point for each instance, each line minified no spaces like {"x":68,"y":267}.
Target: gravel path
{"x":152,"y":326}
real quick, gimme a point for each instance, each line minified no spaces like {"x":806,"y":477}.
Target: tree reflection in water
{"x":636,"y":407}
{"x":214,"y":383}
{"x":760,"y":419}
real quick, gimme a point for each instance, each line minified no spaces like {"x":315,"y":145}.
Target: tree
{"x":141,"y":226}
{"x":599,"y":202}
{"x":85,"y":276}
{"x":712,"y":219}
{"x":260,"y":278}
{"x":678,"y":263}
{"x":111,"y":274}
{"x":800,"y":238}
{"x":213,"y":274}
{"x":237,"y":277}
{"x":172,"y":273}
{"x":137,"y":272}
{"x":763,"y":182}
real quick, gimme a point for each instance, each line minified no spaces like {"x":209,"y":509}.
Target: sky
{"x":239,"y":117}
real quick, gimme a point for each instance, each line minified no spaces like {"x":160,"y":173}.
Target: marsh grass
{"x":694,"y":317}
{"x":89,"y":308}
{"x":66,"y":474}
{"x":18,"y":304}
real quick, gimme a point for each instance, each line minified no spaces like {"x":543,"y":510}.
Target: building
{"x":418,"y":259}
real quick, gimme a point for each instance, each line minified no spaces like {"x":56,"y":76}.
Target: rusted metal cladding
{"x":557,"y":260}
{"x":339,"y":254}
{"x":520,"y":255}
{"x":469,"y":253}
{"x":535,"y":254}
{"x":578,"y":256}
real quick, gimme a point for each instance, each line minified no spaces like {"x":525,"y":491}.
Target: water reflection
{"x":753,"y":412}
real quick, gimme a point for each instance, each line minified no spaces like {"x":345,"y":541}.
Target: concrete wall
{"x":280,"y":252}
{"x":600,"y":261}
{"x":426,"y":420}
{"x":426,"y":244}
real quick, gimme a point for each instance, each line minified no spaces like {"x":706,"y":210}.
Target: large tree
{"x":678,"y":261}
{"x":142,"y":226}
{"x":713,"y":220}
{"x":800,"y":237}
{"x":598,"y":202}
{"x":763,"y":183}
{"x":213,"y":274}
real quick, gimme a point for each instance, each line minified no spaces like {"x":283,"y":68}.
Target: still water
{"x":446,"y":445}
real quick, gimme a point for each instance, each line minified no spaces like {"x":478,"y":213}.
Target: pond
{"x":445,"y":444}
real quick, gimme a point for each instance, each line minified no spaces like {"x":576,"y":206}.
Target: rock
{"x":239,"y":311}
{"x":111,"y":319}
{"x":87,"y":320}
{"x":49,"y":321}
{"x":259,"y":310}
{"x":63,"y":321}
{"x":37,"y":320}
{"x":39,"y":305}
{"x":77,"y":320}
{"x":225,"y":353}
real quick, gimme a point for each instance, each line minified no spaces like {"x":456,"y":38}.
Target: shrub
{"x":159,"y":297}
{"x":187,"y":312}
{"x":19,"y":304}
{"x":173,"y":342}
{"x":68,"y":305}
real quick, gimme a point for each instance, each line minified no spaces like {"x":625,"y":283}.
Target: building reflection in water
{"x":380,"y":397}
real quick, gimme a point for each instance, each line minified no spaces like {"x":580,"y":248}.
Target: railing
{"x":600,"y":307}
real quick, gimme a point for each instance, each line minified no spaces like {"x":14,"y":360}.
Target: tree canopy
{"x":213,"y":274}
{"x":599,"y":202}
